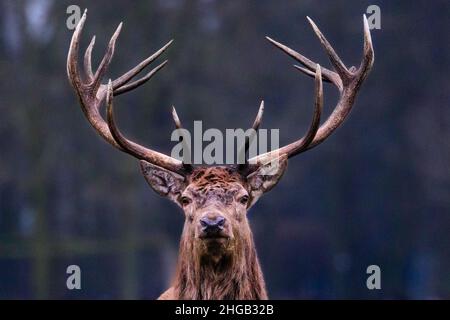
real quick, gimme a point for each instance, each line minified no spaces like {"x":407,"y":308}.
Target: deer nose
{"x":211,"y":225}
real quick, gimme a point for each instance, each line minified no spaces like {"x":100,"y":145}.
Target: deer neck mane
{"x":236,"y":275}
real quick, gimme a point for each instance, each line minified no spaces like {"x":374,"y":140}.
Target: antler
{"x":92,"y":93}
{"x":348,"y":82}
{"x":242,"y":153}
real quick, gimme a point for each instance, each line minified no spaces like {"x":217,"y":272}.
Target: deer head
{"x":217,"y":255}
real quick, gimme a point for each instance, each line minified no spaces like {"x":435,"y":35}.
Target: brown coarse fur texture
{"x":210,"y":178}
{"x":218,"y":270}
{"x":234,"y":275}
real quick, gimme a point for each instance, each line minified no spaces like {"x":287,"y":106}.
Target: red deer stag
{"x":217,"y":256}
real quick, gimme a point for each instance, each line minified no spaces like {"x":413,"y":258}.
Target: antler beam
{"x":348,"y":82}
{"x":92,"y":94}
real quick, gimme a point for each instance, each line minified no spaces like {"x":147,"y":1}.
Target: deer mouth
{"x":214,"y":237}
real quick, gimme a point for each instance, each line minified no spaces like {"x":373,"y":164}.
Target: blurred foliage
{"x":377,"y":192}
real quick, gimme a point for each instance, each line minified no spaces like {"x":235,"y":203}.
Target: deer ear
{"x":165,"y":182}
{"x":266,"y":177}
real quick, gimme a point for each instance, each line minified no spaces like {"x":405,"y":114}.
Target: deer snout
{"x":212,"y":224}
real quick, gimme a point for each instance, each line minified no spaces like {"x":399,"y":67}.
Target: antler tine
{"x":298,"y":146}
{"x":309,"y":72}
{"x":255,"y":127}
{"x":133,"y":149}
{"x":327,"y":75}
{"x":249,"y":139}
{"x":139,"y":82}
{"x":259,"y":116}
{"x":88,"y":60}
{"x":123,"y":79}
{"x":337,"y":63}
{"x":294,"y":54}
{"x":368,"y":53}
{"x":106,"y":59}
{"x":176,"y":119}
{"x":72,"y":56}
{"x":347,"y":81}
{"x":187,"y":166}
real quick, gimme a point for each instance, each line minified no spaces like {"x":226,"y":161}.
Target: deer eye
{"x":243,"y":199}
{"x":185,"y":200}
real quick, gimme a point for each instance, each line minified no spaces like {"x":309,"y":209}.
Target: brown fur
{"x":226,"y":269}
{"x":235,"y":275}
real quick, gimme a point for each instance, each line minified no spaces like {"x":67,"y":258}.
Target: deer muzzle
{"x":213,"y":226}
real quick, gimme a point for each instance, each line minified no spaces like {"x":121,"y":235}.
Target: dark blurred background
{"x":376,"y":192}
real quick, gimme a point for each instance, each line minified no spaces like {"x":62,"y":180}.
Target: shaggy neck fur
{"x":234,"y":274}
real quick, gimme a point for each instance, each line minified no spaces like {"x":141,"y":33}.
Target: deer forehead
{"x":215,"y":184}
